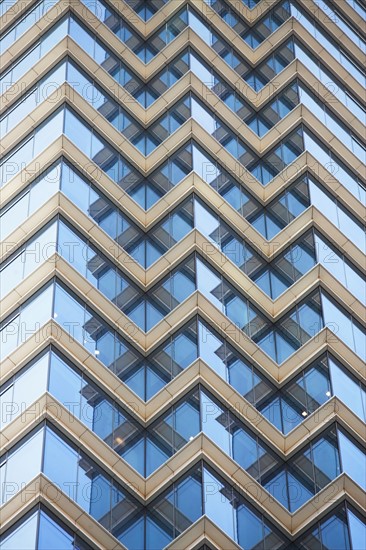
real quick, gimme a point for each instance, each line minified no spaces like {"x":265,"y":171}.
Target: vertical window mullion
{"x":339,"y":449}
{"x":38,"y":525}
{"x":49,"y":367}
{"x":44,"y":428}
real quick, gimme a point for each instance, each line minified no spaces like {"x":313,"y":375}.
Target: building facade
{"x":183,"y":322}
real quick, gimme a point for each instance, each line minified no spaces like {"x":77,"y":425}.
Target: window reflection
{"x":343,"y":524}
{"x":200,"y":491}
{"x":281,"y":12}
{"x":285,"y":409}
{"x":146,"y":449}
{"x":41,"y":530}
{"x":278,"y":340}
{"x":24,"y":23}
{"x":147,"y":8}
{"x":341,"y":528}
{"x":171,"y":173}
{"x":187,"y":17}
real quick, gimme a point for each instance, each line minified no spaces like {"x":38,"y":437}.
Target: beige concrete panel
{"x":203,"y":531}
{"x":356,"y":19}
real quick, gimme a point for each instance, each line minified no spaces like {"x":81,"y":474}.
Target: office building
{"x":183,"y":274}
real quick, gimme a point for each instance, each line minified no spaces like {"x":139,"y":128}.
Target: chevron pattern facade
{"x":182,"y":266}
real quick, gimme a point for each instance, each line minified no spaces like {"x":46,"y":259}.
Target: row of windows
{"x":288,"y":407}
{"x":146,"y":94}
{"x":106,"y":501}
{"x":297,"y":94}
{"x":146,"y":449}
{"x":41,"y":530}
{"x":343,"y":528}
{"x":291,"y":203}
{"x":267,"y":220}
{"x":255,"y":34}
{"x":200,"y":491}
{"x":351,"y":65}
{"x":338,"y":89}
{"x":188,"y":107}
{"x":282,"y":11}
{"x":180,"y":164}
{"x":294,"y":262}
{"x":285,"y":408}
{"x":105,"y":13}
{"x":273,"y":278}
{"x":187,"y":17}
{"x":33,"y":55}
{"x":279,"y":340}
{"x":339,"y":19}
{"x":93,"y":145}
{"x":146,"y":142}
{"x":145,"y":49}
